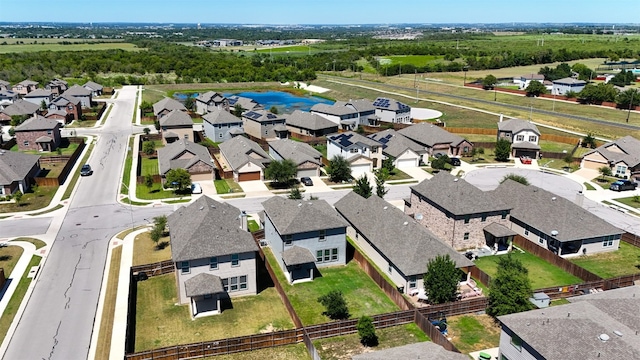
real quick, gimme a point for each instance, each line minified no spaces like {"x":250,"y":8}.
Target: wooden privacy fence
{"x":8,"y":144}
{"x":70,"y":161}
{"x":155,"y":269}
{"x":432,"y":332}
{"x":480,"y":275}
{"x":345,"y":327}
{"x":632,"y":239}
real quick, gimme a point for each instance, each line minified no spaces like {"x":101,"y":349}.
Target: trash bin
{"x":484,"y":356}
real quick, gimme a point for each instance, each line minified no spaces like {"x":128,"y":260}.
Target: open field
{"x":625,"y":261}
{"x":416,"y":60}
{"x":471,"y":333}
{"x":30,"y":45}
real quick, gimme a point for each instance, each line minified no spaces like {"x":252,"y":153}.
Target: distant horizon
{"x":328,"y":12}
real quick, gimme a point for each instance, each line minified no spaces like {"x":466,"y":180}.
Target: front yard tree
{"x":381,"y":177}
{"x":440,"y":163}
{"x":148,"y":181}
{"x":189,"y":102}
{"x":503,"y":150}
{"x":441,"y":280}
{"x":17,"y":196}
{"x":149,"y":147}
{"x":295,"y":193}
{"x":339,"y":169}
{"x":535,"y":88}
{"x":589,"y":141}
{"x":281,"y":171}
{"x":489,"y":82}
{"x":237,"y":110}
{"x":605,"y":171}
{"x":367,"y":331}
{"x":388,"y":164}
{"x":335,"y":305}
{"x":515,"y":177}
{"x":363,"y":187}
{"x":510,"y":289}
{"x":179,"y":179}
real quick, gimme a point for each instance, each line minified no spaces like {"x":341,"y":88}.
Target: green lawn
{"x":126,"y":173}
{"x":105,"y":332}
{"x":541,"y":273}
{"x":16,"y":298}
{"x":253,"y":225}
{"x":226,"y":186}
{"x":552,"y":146}
{"x":416,"y":60}
{"x":471,"y":333}
{"x":149,"y":165}
{"x":66,"y":148}
{"x":40,"y":45}
{"x":345,"y":346}
{"x":588,"y":186}
{"x":9,"y":257}
{"x":399,"y":175}
{"x":604,"y":182}
{"x":160,"y":322}
{"x":633,"y":201}
{"x":363,"y":296}
{"x":32,"y":200}
{"x":287,"y":352}
{"x":624,"y":261}
{"x":145,"y":250}
{"x":38,"y":243}
{"x":156,"y":192}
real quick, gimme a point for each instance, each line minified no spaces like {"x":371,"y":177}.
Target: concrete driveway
{"x":318,"y":186}
{"x":254,"y":188}
{"x":417,"y":173}
{"x":208,"y":188}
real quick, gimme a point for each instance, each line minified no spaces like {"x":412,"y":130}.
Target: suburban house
{"x":304,"y":235}
{"x":176,"y":125}
{"x":523,"y":135}
{"x":523,"y":81}
{"x":436,"y":140}
{"x":38,"y":133}
{"x":60,"y":116}
{"x":17,"y":171}
{"x":18,"y":108}
{"x":81,"y":94}
{"x":5,"y":85}
{"x":554,"y":222}
{"x":307,"y":159}
{"x":366,"y":110}
{"x":220,"y":125}
{"x":184,"y":154}
{"x":263,"y":124}
{"x":213,"y":253}
{"x":95,"y":88}
{"x":211,"y":100}
{"x":363,"y":154}
{"x":57,"y":86}
{"x":601,"y":325}
{"x":396,"y":243}
{"x":165,"y":106}
{"x":25,"y":86}
{"x":308,"y":124}
{"x":8,"y":97}
{"x":69,"y":104}
{"x":392,"y":111}
{"x":345,"y":117}
{"x":404,"y":151}
{"x":37,"y":96}
{"x":457,"y":212}
{"x":244,"y":157}
{"x":563,"y":86}
{"x":246,"y":104}
{"x":622,"y":156}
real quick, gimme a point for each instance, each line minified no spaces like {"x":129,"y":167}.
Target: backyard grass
{"x":624,"y":261}
{"x":146,"y":252}
{"x":552,"y":146}
{"x":559,"y":302}
{"x":160,"y":322}
{"x":541,"y":273}
{"x":471,"y":333}
{"x":16,"y":299}
{"x":253,"y":225}
{"x":31,"y":45}
{"x":81,"y":124}
{"x":66,"y":148}
{"x":322,"y":148}
{"x":362,"y":295}
{"x":126,"y":174}
{"x":76,"y":174}
{"x":106,"y":324}
{"x":157,"y":192}
{"x":38,"y":243}
{"x":9,"y":257}
{"x":345,"y":346}
{"x":149,"y":166}
{"x":633,"y":201}
{"x":226,"y":186}
{"x":32,"y":200}
{"x":287,"y":352}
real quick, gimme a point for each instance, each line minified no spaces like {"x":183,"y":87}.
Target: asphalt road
{"x":24,"y":227}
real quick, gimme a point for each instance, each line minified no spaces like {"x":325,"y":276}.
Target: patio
{"x":466,"y":290}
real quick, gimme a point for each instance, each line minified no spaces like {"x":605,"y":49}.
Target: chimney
{"x":580,"y":198}
{"x":243,"y":220}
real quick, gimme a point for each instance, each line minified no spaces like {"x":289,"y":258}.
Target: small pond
{"x":283,"y":101}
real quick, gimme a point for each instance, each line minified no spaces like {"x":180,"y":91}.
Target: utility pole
{"x":630,"y":105}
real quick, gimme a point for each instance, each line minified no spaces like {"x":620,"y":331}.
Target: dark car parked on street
{"x":622,"y":185}
{"x":86,"y":170}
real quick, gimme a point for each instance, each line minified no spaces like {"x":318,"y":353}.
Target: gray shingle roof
{"x":425,"y":349}
{"x":176,"y":118}
{"x":169,"y":156}
{"x":93,"y":86}
{"x":170,"y":135}
{"x":207,"y":228}
{"x":296,"y":151}
{"x":407,"y":244}
{"x":305,"y":120}
{"x":517,"y":125}
{"x":203,"y":284}
{"x":361,"y":105}
{"x":245,"y":103}
{"x":525,"y":145}
{"x":457,"y":196}
{"x":56,"y":112}
{"x":572,"y":331}
{"x":21,"y":107}
{"x":297,"y":216}
{"x":219,"y":116}
{"x":236,"y":131}
{"x":240,"y":150}
{"x":44,"y":139}
{"x":262,"y":116}
{"x":280,"y":127}
{"x":15,"y":166}
{"x":4,"y":83}
{"x":532,"y":77}
{"x":167,"y":104}
{"x":38,"y":93}
{"x":569,"y":81}
{"x":37,"y":123}
{"x":430,"y":135}
{"x":27,"y":82}
{"x":499,"y":230}
{"x":336,"y":110}
{"x":548,"y":212}
{"x":628,"y":144}
{"x":296,"y":255}
{"x":346,"y":139}
{"x":394,"y":144}
{"x":77,"y":90}
{"x":210,"y":96}
{"x":65,"y":99}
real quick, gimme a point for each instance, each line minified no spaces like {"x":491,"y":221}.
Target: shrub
{"x":335,"y":305}
{"x":367,"y":331}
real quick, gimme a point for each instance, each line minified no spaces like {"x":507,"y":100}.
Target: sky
{"x":321,"y":11}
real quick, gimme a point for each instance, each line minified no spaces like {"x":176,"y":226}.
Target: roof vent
{"x":418,"y":216}
{"x":405,"y":223}
{"x":385,"y":208}
{"x":603,"y":337}
{"x":455,"y":179}
{"x":618,"y":333}
{"x":553,"y":198}
{"x":300,"y":205}
{"x":554,"y":232}
{"x":201,"y":207}
{"x":213,"y":206}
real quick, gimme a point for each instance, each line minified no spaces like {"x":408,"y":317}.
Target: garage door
{"x":249,"y":176}
{"x":524,"y":152}
{"x":201,"y":177}
{"x":307,"y":172}
{"x":592,"y":164}
{"x":359,"y":169}
{"x":406,"y":163}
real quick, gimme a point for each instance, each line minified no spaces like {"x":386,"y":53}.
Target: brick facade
{"x":26,"y":140}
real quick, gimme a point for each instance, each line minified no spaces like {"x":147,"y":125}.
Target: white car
{"x":196,"y":188}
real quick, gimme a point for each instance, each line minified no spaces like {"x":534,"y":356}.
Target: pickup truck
{"x":622,"y":185}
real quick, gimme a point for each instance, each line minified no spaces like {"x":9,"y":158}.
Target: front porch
{"x":300,"y":265}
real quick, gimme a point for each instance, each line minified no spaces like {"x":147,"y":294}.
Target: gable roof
{"x":391,"y":105}
{"x":360,"y":105}
{"x":38,"y":93}
{"x":297,"y":216}
{"x":569,"y":81}
{"x":167,"y":104}
{"x":15,"y":166}
{"x":168,"y":156}
{"x":296,"y":151}
{"x":21,"y":107}
{"x":203,"y":284}
{"x":532,"y":77}
{"x":419,"y":350}
{"x":207,"y":228}
{"x":65,"y":99}
{"x":547,"y":212}
{"x":210,"y":96}
{"x":407,"y":244}
{"x":176,"y":118}
{"x":261,"y":116}
{"x":335,"y":109}
{"x":239,"y":150}
{"x":394,"y":144}
{"x":628,"y":144}
{"x":37,"y":123}
{"x":4,"y":83}
{"x":93,"y":86}
{"x":430,"y":135}
{"x":219,"y":116}
{"x":457,"y":196}
{"x":349,"y":138}
{"x":77,"y":90}
{"x":27,"y":82}
{"x":305,"y":120}
{"x":517,"y":125}
{"x":245,"y":103}
{"x":525,"y":145}
{"x":56,"y":112}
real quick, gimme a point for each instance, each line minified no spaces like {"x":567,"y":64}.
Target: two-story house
{"x":176,"y":125}
{"x":8,"y":97}
{"x":523,"y":135}
{"x":308,"y":124}
{"x":364,"y":107}
{"x":25,"y":86}
{"x":95,"y":88}
{"x":392,"y":111}
{"x":38,"y":96}
{"x":245,"y":158}
{"x":19,"y":107}
{"x":523,"y":81}
{"x":621,"y":155}
{"x":304,"y":235}
{"x":307,"y":159}
{"x":5,"y":85}
{"x":38,"y":133}
{"x":436,"y":140}
{"x":404,"y":151}
{"x":345,"y":117}
{"x":246,"y":104}
{"x":213,"y":253}
{"x":17,"y":171}
{"x":57,"y":86}
{"x":363,"y":154}
{"x":211,"y":100}
{"x":82,"y":94}
{"x":220,"y":125}
{"x":69,"y":104}
{"x":165,"y":106}
{"x":263,"y":124}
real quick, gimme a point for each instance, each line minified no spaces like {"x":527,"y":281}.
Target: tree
{"x":604,"y":171}
{"x":237,"y":110}
{"x":339,"y":169}
{"x":535,"y":88}
{"x":179,"y":179}
{"x":510,"y":289}
{"x":387,"y":164}
{"x":515,"y":177}
{"x":12,"y":131}
{"x":148,"y":181}
{"x":281,"y":171}
{"x":589,"y":141}
{"x":382,"y":175}
{"x":623,"y":78}
{"x":273,"y":110}
{"x":440,"y":163}
{"x":149,"y":147}
{"x":367,"y":331}
{"x":628,"y":99}
{"x":189,"y":102}
{"x":335,"y":305}
{"x":584,"y":73}
{"x":489,"y":82}
{"x":156,"y":124}
{"x":146,"y":131}
{"x":17,"y":196}
{"x":441,"y":279}
{"x":571,"y":94}
{"x":157,"y":232}
{"x":503,"y":150}
{"x":295,"y":193}
{"x":43,"y":105}
{"x":362,"y":187}
{"x":146,"y":107}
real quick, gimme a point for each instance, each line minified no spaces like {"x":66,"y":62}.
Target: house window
{"x":520,"y":138}
{"x":516,"y":342}
{"x":526,"y":231}
{"x":466,"y":219}
{"x":327,"y":255}
{"x":621,"y":170}
{"x":184,"y":267}
{"x":233,"y":283}
{"x":213,"y":263}
{"x":319,"y":256}
{"x":374,"y":149}
{"x":504,"y":214}
{"x":220,"y":135}
{"x":389,"y":268}
{"x":466,"y":236}
{"x":465,"y":149}
{"x":321,"y":235}
{"x":288,"y":239}
{"x":48,"y":132}
{"x":541,"y":239}
{"x":533,"y":138}
{"x":412,"y":282}
{"x":243,"y":282}
{"x":235,"y":260}
{"x":25,"y":143}
{"x":354,"y":150}
{"x":608,"y":241}
{"x":334,"y":254}
{"x":484,"y":217}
